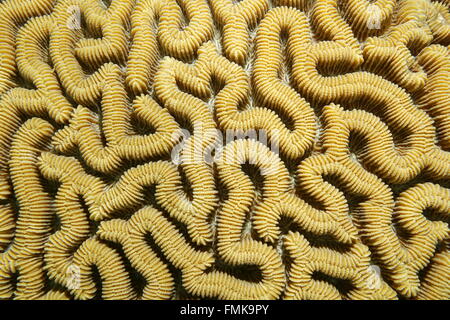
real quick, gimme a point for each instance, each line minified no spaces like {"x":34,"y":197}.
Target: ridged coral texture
{"x":219,"y":149}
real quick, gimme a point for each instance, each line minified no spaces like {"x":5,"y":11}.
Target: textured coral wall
{"x":255,"y":149}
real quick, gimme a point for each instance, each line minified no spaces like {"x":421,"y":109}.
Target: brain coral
{"x":199,"y":149}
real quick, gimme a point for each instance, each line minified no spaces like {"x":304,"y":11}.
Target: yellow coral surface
{"x":254,"y":149}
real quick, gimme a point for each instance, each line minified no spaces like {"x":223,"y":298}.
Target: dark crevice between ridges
{"x":246,"y":272}
{"x":97,"y":279}
{"x":176,"y":274}
{"x":138,"y":281}
{"x":52,"y":285}
{"x":344,"y":286}
{"x":150,"y":199}
{"x":287,"y":224}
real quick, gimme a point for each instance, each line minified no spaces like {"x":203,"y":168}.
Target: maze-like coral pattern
{"x":352,"y":98}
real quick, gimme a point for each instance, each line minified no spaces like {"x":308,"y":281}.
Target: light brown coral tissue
{"x":255,"y":149}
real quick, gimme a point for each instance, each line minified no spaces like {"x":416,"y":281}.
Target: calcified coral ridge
{"x":353,"y":203}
